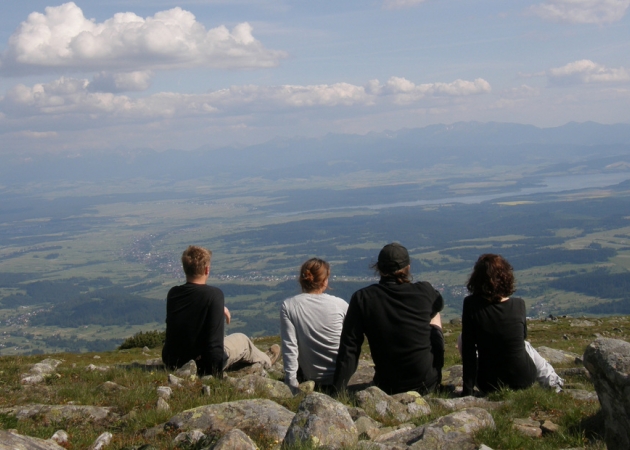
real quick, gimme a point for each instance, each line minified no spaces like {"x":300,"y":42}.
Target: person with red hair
{"x":494,"y":351}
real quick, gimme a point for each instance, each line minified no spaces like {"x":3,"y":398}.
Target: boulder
{"x":554,"y":356}
{"x":401,"y":407}
{"x":246,"y":415}
{"x":253,"y":384}
{"x":322,"y":421}
{"x":57,"y":413}
{"x":14,"y":441}
{"x":608,"y":361}
{"x":235,"y":440}
{"x":451,"y":432}
{"x":456,"y":404}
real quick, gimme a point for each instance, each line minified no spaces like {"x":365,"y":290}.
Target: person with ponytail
{"x":310,"y":327}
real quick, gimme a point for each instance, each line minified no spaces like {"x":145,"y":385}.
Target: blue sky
{"x":100,"y":75}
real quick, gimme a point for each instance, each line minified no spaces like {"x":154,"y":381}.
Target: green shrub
{"x":151,"y":339}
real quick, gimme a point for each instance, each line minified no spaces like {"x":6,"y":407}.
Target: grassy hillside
{"x":579,"y":422}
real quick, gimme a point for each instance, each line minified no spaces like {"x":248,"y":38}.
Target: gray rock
{"x":110,"y":386}
{"x":56,"y":413}
{"x":189,"y":437}
{"x":93,"y":368}
{"x":456,"y":404}
{"x":454,"y":431}
{"x":367,"y":425}
{"x":322,"y":421}
{"x":574,"y":371}
{"x":363,"y":377}
{"x":60,"y":437}
{"x":146,"y":349}
{"x":554,"y":356}
{"x":356,"y":412}
{"x":549,"y":427}
{"x":255,"y":384}
{"x":582,"y":395}
{"x":255,"y":414}
{"x":206,"y":390}
{"x":164,"y":392}
{"x":97,"y":357}
{"x":235,"y":440}
{"x":188,"y":370}
{"x":451,"y":432}
{"x":175,"y":381}
{"x":161,"y":405}
{"x":40,"y":371}
{"x":14,"y":441}
{"x":453,"y":376}
{"x":528,"y":427}
{"x":608,"y":361}
{"x":249,"y":369}
{"x":102,"y":441}
{"x":402,"y":433}
{"x":402,"y":407}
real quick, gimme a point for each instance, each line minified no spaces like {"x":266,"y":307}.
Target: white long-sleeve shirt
{"x":310,"y":327}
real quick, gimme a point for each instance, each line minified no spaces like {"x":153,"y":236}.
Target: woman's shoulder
{"x":334,"y":299}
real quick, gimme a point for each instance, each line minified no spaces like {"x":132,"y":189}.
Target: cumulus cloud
{"x":586,"y":71}
{"x":582,"y":11}
{"x":68,"y":96}
{"x":399,"y":4}
{"x":63,"y":38}
{"x":121,"y":82}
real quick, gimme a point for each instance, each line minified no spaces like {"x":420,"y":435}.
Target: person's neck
{"x":197,"y":280}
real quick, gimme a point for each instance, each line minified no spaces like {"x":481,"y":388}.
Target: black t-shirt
{"x":493,"y":345}
{"x":395,"y":318}
{"x":194,"y":327}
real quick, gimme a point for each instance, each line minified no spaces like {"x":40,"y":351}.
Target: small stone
{"x":97,"y":357}
{"x":366,"y":425}
{"x":175,"y":381}
{"x":146,"y":349}
{"x":189,"y":437}
{"x":110,"y":386}
{"x":565,"y":337}
{"x":206,"y":390}
{"x":102,"y":441}
{"x":528,"y":427}
{"x":93,"y":368}
{"x":60,"y":437}
{"x":549,"y":427}
{"x":307,"y":387}
{"x":161,"y":405}
{"x":164,"y":392}
{"x":187,"y":370}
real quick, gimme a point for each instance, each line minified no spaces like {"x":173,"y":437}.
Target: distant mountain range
{"x":459,"y":143}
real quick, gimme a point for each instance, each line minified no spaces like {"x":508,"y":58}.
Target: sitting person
{"x":402,"y":323}
{"x":310,"y":327}
{"x":194,"y":324}
{"x":494,"y":351}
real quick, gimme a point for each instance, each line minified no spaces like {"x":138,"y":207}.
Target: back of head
{"x":394,"y":262}
{"x":195,"y":260}
{"x":492,"y":278}
{"x":313,"y":275}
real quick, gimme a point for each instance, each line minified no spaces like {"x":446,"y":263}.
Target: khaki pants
{"x":239,"y":348}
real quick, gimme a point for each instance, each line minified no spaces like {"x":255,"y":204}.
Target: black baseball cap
{"x":392,"y":258}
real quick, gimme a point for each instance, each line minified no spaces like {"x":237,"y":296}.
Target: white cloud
{"x":582,"y":11}
{"x":586,"y":71}
{"x":67,"y":96}
{"x":121,"y":82}
{"x":399,"y":4}
{"x":64,"y":38}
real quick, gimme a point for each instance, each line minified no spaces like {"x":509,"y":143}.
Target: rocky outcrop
{"x":57,"y":413}
{"x":14,"y":441}
{"x":608,"y":361}
{"x":252,"y":384}
{"x":322,"y":421}
{"x":401,"y":407}
{"x":40,"y":371}
{"x":257,"y":414}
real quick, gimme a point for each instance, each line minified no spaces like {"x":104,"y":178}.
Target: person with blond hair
{"x":195,"y":315}
{"x":310,"y":327}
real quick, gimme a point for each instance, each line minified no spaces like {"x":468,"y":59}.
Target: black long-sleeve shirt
{"x":395,"y":318}
{"x":493,"y":345}
{"x":194,"y":327}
